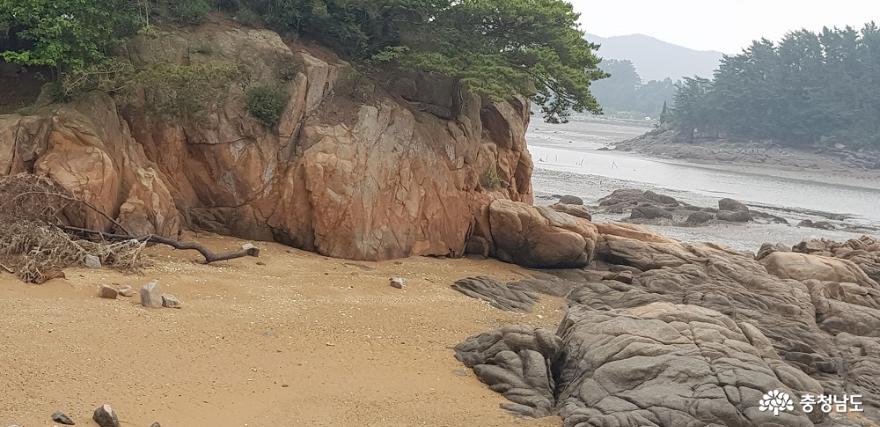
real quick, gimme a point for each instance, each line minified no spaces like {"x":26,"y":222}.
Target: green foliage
{"x":494,"y":47}
{"x":186,"y":90}
{"x":111,"y":76}
{"x":190,"y":11}
{"x":64,"y":34}
{"x":497,"y":48}
{"x":490,"y":178}
{"x":266,"y":103}
{"x":808,"y":89}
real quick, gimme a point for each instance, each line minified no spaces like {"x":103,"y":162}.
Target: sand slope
{"x":302,"y":341}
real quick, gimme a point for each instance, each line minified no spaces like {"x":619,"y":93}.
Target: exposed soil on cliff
{"x":300,"y":340}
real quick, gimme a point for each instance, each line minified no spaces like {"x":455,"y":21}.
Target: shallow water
{"x":568,"y":160}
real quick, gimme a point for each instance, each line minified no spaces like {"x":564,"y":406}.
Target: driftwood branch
{"x":246,"y":250}
{"x":7,"y":269}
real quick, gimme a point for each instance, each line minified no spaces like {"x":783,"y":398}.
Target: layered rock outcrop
{"x":351,"y":170}
{"x":691,"y":334}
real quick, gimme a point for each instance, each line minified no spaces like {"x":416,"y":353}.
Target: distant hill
{"x":655,"y":59}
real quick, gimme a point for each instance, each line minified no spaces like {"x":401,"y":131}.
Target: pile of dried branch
{"x":33,"y":242}
{"x":37,"y":239}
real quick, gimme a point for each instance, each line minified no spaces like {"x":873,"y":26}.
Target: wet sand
{"x":303,"y":340}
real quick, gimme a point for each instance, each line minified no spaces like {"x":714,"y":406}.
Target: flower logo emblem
{"x":776,"y":401}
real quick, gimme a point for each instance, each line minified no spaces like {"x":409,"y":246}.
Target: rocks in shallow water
{"x":732,"y":205}
{"x":699,"y":218}
{"x":107,"y":291}
{"x":733,"y":211}
{"x":496,"y":294}
{"x":397,"y":282}
{"x":170,"y":301}
{"x":621,"y":200}
{"x":734,"y":216}
{"x":649,"y":212}
{"x":151,"y":295}
{"x":105,"y":416}
{"x":821,"y":225}
{"x":61,"y":417}
{"x":571,"y":200}
{"x":540,"y":237}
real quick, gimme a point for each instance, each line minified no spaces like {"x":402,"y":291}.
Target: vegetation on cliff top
{"x":494,"y":47}
{"x":808,"y":89}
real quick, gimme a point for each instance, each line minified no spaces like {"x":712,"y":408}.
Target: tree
{"x":807,"y":89}
{"x":64,"y":34}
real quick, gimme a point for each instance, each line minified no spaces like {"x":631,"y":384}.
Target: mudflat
{"x":298,"y":339}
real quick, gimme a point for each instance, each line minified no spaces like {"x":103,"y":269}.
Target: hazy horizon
{"x":728,"y":26}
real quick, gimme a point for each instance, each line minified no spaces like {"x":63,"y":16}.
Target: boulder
{"x":732,"y":205}
{"x":631,"y":231}
{"x":699,"y":218}
{"x":649,"y":212}
{"x":734,"y":216}
{"x":571,"y":200}
{"x":540,"y":237}
{"x":579,"y":211}
{"x":798,"y":266}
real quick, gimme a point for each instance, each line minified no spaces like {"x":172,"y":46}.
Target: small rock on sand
{"x":60,"y":417}
{"x":92,"y":261}
{"x":398,"y":282}
{"x":156,"y":424}
{"x":107,"y":291}
{"x":105,"y":416}
{"x":151,"y":295}
{"x":126,"y":291}
{"x":170,"y":301}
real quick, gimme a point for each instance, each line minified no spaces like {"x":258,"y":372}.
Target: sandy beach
{"x":301,"y":340}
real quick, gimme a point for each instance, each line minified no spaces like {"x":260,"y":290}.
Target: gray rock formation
{"x":694,"y":335}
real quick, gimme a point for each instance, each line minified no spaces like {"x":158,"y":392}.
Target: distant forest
{"x":624,"y":94}
{"x":809,"y":89}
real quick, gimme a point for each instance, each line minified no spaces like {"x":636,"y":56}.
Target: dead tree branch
{"x":246,"y":250}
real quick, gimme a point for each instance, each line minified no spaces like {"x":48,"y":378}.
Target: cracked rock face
{"x":691,"y":335}
{"x":350,"y":171}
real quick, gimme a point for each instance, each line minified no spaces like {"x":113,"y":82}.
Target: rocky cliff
{"x":355,"y":168}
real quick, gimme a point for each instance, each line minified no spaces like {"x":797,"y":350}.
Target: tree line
{"x":809,"y":89}
{"x":494,"y":47}
{"x":623,"y":92}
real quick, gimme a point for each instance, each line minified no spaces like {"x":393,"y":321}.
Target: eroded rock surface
{"x":695,"y":335}
{"x":538,"y":236}
{"x":351,"y":170}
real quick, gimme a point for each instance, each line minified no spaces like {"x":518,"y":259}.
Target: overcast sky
{"x":724,"y":25}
